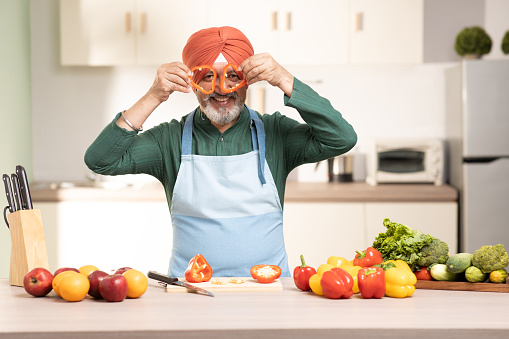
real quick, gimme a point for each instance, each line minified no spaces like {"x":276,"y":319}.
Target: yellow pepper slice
{"x":314,"y":280}
{"x":399,"y":280}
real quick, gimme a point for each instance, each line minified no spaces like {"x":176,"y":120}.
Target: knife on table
{"x":174,"y":281}
{"x":23,"y":187}
{"x":16,"y":192}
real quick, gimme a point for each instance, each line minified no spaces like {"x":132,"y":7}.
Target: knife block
{"x":28,"y":249}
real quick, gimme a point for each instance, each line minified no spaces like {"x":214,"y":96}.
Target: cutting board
{"x":225,"y":284}
{"x":461,"y":286}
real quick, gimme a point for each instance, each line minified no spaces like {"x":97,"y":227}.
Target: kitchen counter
{"x":295,"y":192}
{"x":287,"y":314}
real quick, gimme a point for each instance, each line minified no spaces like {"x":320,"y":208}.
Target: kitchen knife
{"x":174,"y":281}
{"x":23,"y":187}
{"x":16,"y":192}
{"x":8,"y":193}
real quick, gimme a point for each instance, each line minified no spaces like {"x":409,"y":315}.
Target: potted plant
{"x":473,"y":42}
{"x":505,"y":43}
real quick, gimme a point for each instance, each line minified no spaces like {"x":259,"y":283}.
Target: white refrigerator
{"x":477,"y":129}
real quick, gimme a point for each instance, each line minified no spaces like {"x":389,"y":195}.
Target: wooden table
{"x":287,"y":314}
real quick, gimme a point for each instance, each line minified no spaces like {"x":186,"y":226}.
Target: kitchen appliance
{"x":406,"y":161}
{"x":166,"y":280}
{"x":477,"y":125}
{"x":340,"y":168}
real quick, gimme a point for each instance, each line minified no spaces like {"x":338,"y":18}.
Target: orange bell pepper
{"x":198,"y":270}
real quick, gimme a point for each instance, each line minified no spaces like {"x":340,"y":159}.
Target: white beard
{"x":222,"y":116}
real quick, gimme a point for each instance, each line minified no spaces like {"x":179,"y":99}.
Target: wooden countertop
{"x":295,"y":192}
{"x":287,"y":314}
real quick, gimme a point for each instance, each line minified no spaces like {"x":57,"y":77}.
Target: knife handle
{"x":161,"y":277}
{"x":8,"y":193}
{"x":23,"y":187}
{"x":16,"y":192}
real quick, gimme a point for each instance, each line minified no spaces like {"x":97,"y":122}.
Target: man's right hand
{"x":170,"y":78}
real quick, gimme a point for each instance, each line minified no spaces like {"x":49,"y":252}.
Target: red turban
{"x":204,"y":46}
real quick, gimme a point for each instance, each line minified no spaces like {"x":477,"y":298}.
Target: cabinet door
{"x":389,"y":31}
{"x":440,"y":219}
{"x":321,"y":230}
{"x":259,"y":22}
{"x":313,"y":33}
{"x":93,"y":33}
{"x":163,"y":28}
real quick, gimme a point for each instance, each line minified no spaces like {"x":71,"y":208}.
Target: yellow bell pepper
{"x":352,"y":270}
{"x":314,"y":280}
{"x":338,"y":261}
{"x":399,"y":280}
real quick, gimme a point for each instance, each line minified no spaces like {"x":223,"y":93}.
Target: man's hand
{"x":170,"y":78}
{"x":263,"y":67}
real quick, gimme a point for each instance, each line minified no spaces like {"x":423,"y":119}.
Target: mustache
{"x":234,"y":95}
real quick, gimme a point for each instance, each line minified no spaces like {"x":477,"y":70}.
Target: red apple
{"x":95,"y":278}
{"x":63,"y":269}
{"x":113,"y":287}
{"x":38,"y":281}
{"x":121,"y":270}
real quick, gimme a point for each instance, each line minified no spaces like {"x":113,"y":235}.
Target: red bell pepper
{"x":371,"y":282}
{"x":265,"y":274}
{"x":198,"y":270}
{"x":368,"y":258}
{"x":337,"y":283}
{"x":423,"y":273}
{"x":301,"y":275}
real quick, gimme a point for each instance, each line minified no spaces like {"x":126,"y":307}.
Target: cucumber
{"x":458,"y":263}
{"x":474,"y":274}
{"x":440,"y":272}
{"x":498,"y":276}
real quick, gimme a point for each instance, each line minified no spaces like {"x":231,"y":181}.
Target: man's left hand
{"x":263,"y":67}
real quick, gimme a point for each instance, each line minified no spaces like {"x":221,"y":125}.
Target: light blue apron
{"x":223,"y":209}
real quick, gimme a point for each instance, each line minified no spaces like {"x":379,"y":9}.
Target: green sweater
{"x":288,"y":143}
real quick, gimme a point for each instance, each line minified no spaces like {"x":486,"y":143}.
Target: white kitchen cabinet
{"x":438,"y":219}
{"x":409,"y":31}
{"x":108,"y":234}
{"x":294,"y":32}
{"x":321,"y":230}
{"x":126,"y":32}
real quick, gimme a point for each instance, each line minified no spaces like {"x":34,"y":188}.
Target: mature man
{"x":223,"y":166}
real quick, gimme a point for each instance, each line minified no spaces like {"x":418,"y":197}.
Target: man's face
{"x":220,"y":107}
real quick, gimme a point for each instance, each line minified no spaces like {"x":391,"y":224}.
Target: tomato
{"x":423,"y":274}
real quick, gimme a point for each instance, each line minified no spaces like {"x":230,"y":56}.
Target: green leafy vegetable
{"x":401,"y":242}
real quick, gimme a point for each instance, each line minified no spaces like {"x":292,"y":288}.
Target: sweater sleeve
{"x":118,"y":151}
{"x":325,"y":133}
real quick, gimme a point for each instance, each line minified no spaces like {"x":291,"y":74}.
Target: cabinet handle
{"x":274,"y":21}
{"x":261,"y":100}
{"x":128,"y":22}
{"x":288,"y":21}
{"x":143,"y":22}
{"x":359,"y":18}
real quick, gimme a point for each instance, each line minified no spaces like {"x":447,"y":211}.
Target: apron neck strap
{"x":257,"y":136}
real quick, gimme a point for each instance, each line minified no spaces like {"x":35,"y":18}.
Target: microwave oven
{"x":406,"y":161}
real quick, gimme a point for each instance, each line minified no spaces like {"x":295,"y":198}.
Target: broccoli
{"x":436,"y":252}
{"x":490,"y":258}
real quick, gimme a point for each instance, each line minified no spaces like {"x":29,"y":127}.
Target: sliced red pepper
{"x":265,"y":274}
{"x":337,"y":283}
{"x":423,"y":273}
{"x":368,"y":258}
{"x":371,"y":282}
{"x":225,"y":73}
{"x":198,"y":270}
{"x":301,"y":275}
